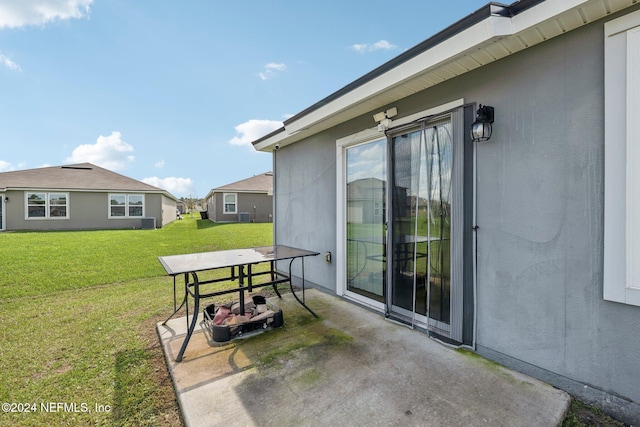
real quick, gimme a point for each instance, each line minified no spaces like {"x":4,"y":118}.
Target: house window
{"x":230,"y":203}
{"x":622,"y":160}
{"x":136,"y":205}
{"x":47,"y":205}
{"x":126,"y":205}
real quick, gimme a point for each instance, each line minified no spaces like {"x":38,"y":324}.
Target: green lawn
{"x":77,"y":323}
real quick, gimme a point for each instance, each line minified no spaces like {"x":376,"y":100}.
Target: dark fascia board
{"x":490,"y":9}
{"x":522,"y":5}
{"x":269,"y":135}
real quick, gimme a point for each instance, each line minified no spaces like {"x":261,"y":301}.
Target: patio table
{"x":241,"y":263}
{"x":401,"y":244}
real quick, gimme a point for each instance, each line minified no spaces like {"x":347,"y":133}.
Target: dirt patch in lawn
{"x":164,"y":393}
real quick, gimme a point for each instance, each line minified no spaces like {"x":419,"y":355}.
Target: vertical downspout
{"x":273,"y":203}
{"x":474,"y":245}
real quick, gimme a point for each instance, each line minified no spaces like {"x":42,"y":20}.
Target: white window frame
{"x":3,"y":212}
{"x":621,"y":274}
{"x":47,"y":205}
{"x":235,"y":203}
{"x":127,"y":207}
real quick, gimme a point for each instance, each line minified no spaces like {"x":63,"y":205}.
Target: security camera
{"x":277,"y":147}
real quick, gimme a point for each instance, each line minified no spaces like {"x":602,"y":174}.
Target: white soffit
{"x":487,"y":41}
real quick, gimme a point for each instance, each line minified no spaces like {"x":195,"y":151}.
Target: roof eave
{"x":337,"y":105}
{"x":231,"y":190}
{"x":269,"y":141}
{"x":479,"y":15}
{"x":90,"y":190}
{"x":487,"y":35}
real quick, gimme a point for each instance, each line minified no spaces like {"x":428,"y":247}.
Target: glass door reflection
{"x":366,"y":217}
{"x":421,"y":223}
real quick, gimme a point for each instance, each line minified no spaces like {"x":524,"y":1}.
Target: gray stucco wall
{"x":87,"y":211}
{"x":211,"y":207}
{"x":305,"y":203}
{"x":539,"y":211}
{"x":160,"y":207}
{"x":258,"y":205}
{"x":168,"y":211}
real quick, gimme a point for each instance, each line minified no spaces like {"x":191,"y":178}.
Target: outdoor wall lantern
{"x":481,"y":128}
{"x":6,"y":199}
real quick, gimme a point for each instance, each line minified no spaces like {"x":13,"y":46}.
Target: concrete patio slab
{"x":350,"y":367}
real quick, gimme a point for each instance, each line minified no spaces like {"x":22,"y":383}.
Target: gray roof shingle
{"x":81,"y":176}
{"x":262,"y":183}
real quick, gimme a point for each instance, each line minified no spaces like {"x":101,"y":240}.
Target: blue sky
{"x":172,"y":92}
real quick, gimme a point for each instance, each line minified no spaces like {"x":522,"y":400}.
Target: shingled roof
{"x":81,"y":176}
{"x":262,"y":183}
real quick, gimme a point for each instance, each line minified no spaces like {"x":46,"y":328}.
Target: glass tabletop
{"x":187,"y":263}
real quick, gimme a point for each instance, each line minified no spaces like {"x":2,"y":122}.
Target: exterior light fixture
{"x":481,"y":128}
{"x":6,"y":199}
{"x":383,"y":118}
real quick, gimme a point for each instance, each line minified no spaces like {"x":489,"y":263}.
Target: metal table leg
{"x":184,"y":299}
{"x":241,"y":292}
{"x":272,"y":265}
{"x":291,"y":286}
{"x":194,"y":320}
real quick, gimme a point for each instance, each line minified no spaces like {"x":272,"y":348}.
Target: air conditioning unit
{"x":148,"y":223}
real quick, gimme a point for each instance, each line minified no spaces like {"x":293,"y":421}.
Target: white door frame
{"x":366,"y":135}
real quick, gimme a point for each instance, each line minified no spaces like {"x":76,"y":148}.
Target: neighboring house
{"x":80,"y":197}
{"x":249,"y":200}
{"x":365,"y":204}
{"x":525,"y":247}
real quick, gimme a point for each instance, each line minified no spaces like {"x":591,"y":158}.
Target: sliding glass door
{"x":366,"y":218}
{"x":421,"y":254}
{"x":408,"y":204}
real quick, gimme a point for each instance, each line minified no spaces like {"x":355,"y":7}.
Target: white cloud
{"x":109,"y":152}
{"x":5,"y":166}
{"x":366,"y":162}
{"x":271,"y":69}
{"x":383,"y":45}
{"x":19,"y":13}
{"x":253,"y":129}
{"x":179,"y":187}
{"x":379,"y":45}
{"x":9,"y":63}
{"x":159,"y":164}
{"x":359,"y":47}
